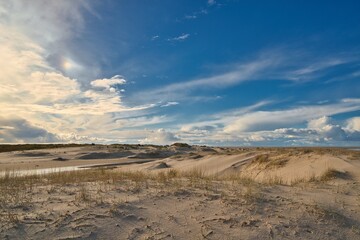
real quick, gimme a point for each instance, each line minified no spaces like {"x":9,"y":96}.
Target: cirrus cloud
{"x":38,"y":96}
{"x":108,"y":84}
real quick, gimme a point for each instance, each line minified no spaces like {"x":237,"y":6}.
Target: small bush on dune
{"x":277,"y":163}
{"x":172,"y":173}
{"x":261,"y":159}
{"x":183,"y":145}
{"x":331,"y":174}
{"x":83,"y":195}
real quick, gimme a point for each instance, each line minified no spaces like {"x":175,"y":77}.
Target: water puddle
{"x":43,"y":171}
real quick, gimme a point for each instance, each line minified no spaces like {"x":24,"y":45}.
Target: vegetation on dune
{"x":22,"y":147}
{"x":184,"y":145}
{"x":268,"y":161}
{"x":331,"y":174}
{"x":270,"y":151}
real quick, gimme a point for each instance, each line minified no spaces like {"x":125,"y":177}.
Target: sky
{"x":208,"y":72}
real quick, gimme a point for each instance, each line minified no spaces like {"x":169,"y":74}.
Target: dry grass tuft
{"x":22,"y":147}
{"x":261,"y":159}
{"x":83,"y":195}
{"x":277,"y":163}
{"x":331,"y":174}
{"x":267,"y":161}
{"x":274,"y":180}
{"x":194,"y":175}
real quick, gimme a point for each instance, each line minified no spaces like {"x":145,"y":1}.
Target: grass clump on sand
{"x":277,"y":163}
{"x":260,"y":159}
{"x":331,"y":174}
{"x":14,"y":190}
{"x":327,"y":175}
{"x":15,"y":193}
{"x":265,"y":161}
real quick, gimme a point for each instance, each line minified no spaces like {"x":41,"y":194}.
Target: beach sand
{"x":181,"y":192}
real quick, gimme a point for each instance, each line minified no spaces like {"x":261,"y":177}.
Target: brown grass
{"x":328,"y":174}
{"x":261,"y":159}
{"x":270,"y":161}
{"x":277,"y":163}
{"x":23,"y":147}
{"x":14,"y":190}
{"x":331,"y":174}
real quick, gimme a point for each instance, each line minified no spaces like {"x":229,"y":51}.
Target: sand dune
{"x":105,"y":155}
{"x":288,"y":167}
{"x":182,"y":192}
{"x":284,"y":168}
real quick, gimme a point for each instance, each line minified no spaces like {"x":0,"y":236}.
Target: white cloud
{"x":76,"y":138}
{"x":196,"y":129}
{"x":219,"y":120}
{"x":182,"y":37}
{"x":168,"y":104}
{"x":268,"y":120}
{"x":108,"y":84}
{"x":42,"y":99}
{"x":354,"y":124}
{"x":248,"y":126}
{"x":211,"y":2}
{"x":155,"y":37}
{"x":160,"y":136}
{"x":315,"y":69}
{"x":26,"y":77}
{"x":142,"y":121}
{"x":329,"y":135}
{"x":267,"y":65}
{"x":53,"y":25}
{"x":351,"y":100}
{"x":242,"y":72}
{"x":202,"y":11}
{"x":254,"y":138}
{"x":190,"y":16}
{"x":321,"y":131}
{"x":46,"y":21}
{"x":319,"y":122}
{"x":34,"y":94}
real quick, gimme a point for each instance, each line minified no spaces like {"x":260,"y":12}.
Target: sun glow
{"x":67,"y":65}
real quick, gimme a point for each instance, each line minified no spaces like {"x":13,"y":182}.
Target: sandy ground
{"x":236,"y":193}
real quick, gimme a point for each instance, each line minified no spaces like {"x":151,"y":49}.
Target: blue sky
{"x":270,"y":73}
